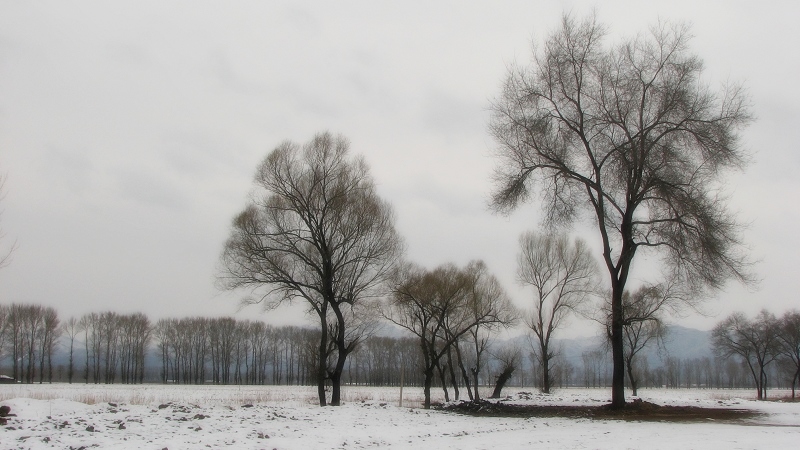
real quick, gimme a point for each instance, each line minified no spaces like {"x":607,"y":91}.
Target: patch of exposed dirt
{"x":636,"y":411}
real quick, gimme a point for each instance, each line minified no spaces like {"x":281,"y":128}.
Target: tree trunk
{"x":322,"y":359}
{"x":502,"y":379}
{"x":617,"y":350}
{"x":453,"y":379}
{"x":631,"y":377}
{"x":475,"y":371}
{"x":336,"y":377}
{"x":427,"y":387}
{"x":464,"y":373}
{"x":336,"y":388}
{"x":443,"y":381}
{"x":545,"y":367}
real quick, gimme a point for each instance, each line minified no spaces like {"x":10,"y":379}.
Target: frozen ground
{"x":187,"y":417}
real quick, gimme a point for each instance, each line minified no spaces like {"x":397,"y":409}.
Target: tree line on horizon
{"x":109,"y":348}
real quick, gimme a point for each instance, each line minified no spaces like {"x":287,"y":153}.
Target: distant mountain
{"x":679,"y":342}
{"x":688,"y":343}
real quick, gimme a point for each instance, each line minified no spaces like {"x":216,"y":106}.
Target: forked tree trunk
{"x":443,"y":380}
{"x":475,"y":377}
{"x":453,"y":379}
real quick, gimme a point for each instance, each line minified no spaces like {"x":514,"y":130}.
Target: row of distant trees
{"x":28,"y":334}
{"x":113,"y":348}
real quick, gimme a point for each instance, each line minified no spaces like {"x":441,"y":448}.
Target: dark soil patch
{"x":637,"y":411}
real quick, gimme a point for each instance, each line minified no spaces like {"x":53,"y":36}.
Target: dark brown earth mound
{"x":636,"y":411}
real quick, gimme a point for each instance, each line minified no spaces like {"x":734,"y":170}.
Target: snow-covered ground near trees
{"x":200,"y":417}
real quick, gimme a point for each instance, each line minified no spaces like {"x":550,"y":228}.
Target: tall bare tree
{"x":630,"y":135}
{"x":47,"y":343}
{"x":562,"y":275}
{"x":71,"y":328}
{"x":314,"y":229}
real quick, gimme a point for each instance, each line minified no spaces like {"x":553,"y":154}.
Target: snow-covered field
{"x":187,"y":417}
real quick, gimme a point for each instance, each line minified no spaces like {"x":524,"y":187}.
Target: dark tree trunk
{"x":545,"y":367}
{"x":617,"y":349}
{"x":502,"y":379}
{"x":631,"y":377}
{"x":453,"y":379}
{"x":475,"y":371}
{"x":443,"y":380}
{"x":322,"y":359}
{"x":464,"y":374}
{"x":427,"y":387}
{"x":342,"y":351}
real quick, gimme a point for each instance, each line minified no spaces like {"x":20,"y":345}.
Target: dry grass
{"x":149,"y":394}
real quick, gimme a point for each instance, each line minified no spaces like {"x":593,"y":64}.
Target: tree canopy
{"x":630,"y":136}
{"x":314,"y":229}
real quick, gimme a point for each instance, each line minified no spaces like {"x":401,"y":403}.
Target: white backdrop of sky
{"x":130,"y":131}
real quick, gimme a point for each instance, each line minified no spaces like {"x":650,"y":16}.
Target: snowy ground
{"x":188,"y":417}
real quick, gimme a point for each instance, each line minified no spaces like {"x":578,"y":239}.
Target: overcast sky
{"x":130,"y":131}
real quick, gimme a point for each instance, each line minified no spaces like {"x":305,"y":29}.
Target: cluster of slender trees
{"x":228,"y":351}
{"x":759,"y":342}
{"x":28,"y":333}
{"x":114,"y":348}
{"x":706,"y":372}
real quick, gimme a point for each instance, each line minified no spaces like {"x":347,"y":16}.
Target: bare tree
{"x":14,"y":337}
{"x":754,"y":341}
{"x":562,"y":275}
{"x":485,"y":290}
{"x":314,"y":229}
{"x":632,"y":136}
{"x":161,"y":333}
{"x":789,"y":343}
{"x":509,"y":357}
{"x":86,"y":324}
{"x":4,"y":329}
{"x":48,"y":339}
{"x":33,"y":329}
{"x":71,"y":329}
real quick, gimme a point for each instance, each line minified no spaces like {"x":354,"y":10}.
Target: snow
{"x":200,"y":417}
